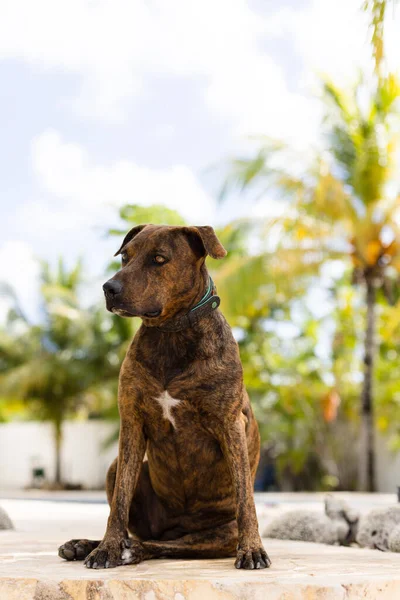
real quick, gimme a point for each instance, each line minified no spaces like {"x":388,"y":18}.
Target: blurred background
{"x":278,"y":124}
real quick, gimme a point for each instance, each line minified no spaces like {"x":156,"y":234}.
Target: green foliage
{"x":377,"y":10}
{"x":388,"y":375}
{"x":363,"y":139}
{"x":133,"y":214}
{"x":304,"y":403}
{"x":66,"y":366}
{"x":342,"y":206}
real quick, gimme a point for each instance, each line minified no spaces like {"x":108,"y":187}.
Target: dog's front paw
{"x":252,"y":556}
{"x":105,"y":556}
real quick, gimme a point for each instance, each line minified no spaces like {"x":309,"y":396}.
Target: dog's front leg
{"x":250,"y":552}
{"x":132,"y":446}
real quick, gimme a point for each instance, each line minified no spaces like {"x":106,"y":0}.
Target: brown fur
{"x":192,"y":496}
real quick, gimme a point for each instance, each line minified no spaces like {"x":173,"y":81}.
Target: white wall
{"x":83,"y":459}
{"x":387,"y":467}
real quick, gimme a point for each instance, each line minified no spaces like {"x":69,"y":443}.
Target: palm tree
{"x":345,"y":206}
{"x":69,"y":362}
{"x":377,"y":10}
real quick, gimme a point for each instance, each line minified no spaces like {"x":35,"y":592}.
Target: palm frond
{"x":158,"y":214}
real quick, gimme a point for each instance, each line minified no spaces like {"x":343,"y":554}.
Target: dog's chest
{"x":170,"y":413}
{"x":168,"y":406}
{"x":166,"y":358}
{"x":178,"y":440}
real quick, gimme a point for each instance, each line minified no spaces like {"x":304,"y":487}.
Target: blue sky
{"x":106,"y":102}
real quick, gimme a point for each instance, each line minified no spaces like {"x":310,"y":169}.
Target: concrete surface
{"x":31,"y":570}
{"x":284,"y":500}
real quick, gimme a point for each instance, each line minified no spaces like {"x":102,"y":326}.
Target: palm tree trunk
{"x":57,"y":448}
{"x":367,"y":438}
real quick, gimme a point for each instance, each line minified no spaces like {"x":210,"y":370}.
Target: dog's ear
{"x":203,"y":240}
{"x":129,"y":236}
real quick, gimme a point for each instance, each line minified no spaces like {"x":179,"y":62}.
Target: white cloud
{"x":332,"y":38}
{"x":20,"y":271}
{"x":101,"y":41}
{"x":86,"y":192}
{"x":260,"y":104}
{"x":116,"y":45}
{"x":79,"y":202}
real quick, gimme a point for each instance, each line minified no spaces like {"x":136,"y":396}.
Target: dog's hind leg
{"x":218,"y":542}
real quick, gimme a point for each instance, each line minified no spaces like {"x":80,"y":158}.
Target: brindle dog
{"x":182,"y":402}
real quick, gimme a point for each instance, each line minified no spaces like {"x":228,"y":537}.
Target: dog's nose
{"x":112,"y":288}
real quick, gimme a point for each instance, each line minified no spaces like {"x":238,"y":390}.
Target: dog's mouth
{"x":122,"y":312}
{"x":153,"y":314}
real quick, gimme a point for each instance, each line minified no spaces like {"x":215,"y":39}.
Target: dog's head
{"x":162,"y":271}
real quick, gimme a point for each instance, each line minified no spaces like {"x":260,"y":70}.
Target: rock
{"x":5,"y":521}
{"x":394,"y":540}
{"x":376,"y":527}
{"x":338,"y":525}
{"x":305,"y":526}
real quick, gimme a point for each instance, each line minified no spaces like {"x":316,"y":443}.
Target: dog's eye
{"x":124,"y":257}
{"x":374,"y":532}
{"x":159,"y":260}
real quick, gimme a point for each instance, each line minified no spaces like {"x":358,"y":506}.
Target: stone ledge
{"x":300,"y":571}
{"x":31,"y":570}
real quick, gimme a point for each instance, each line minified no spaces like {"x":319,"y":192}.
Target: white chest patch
{"x":167,"y":403}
